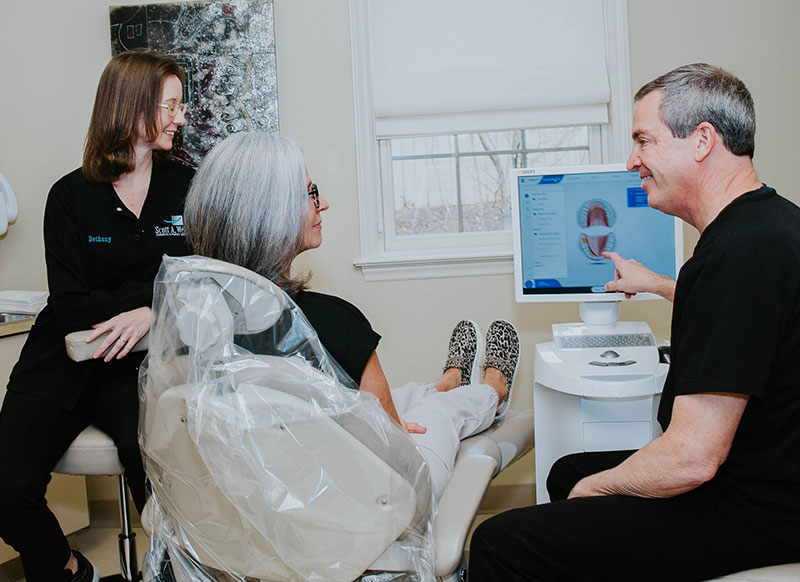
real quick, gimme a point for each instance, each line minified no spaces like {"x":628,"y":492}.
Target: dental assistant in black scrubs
{"x":106,"y":226}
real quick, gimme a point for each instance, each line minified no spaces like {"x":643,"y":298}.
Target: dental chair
{"x":267,"y":464}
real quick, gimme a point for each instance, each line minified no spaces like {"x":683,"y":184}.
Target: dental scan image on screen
{"x":565,"y":218}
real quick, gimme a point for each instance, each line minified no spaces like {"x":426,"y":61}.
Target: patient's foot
{"x":451,"y":378}
{"x":463,"y":354}
{"x":497,"y":381}
{"x":502,"y":355}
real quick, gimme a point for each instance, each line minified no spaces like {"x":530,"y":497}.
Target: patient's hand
{"x":124,"y":331}
{"x":631,"y":277}
{"x":413,"y":427}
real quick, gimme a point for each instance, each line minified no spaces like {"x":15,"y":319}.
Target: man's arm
{"x":631,"y":277}
{"x":687,"y":455}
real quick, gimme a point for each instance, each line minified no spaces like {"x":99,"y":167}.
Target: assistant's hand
{"x":631,"y":277}
{"x":413,"y":427}
{"x":124,"y":330}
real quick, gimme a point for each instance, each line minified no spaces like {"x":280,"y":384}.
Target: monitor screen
{"x":565,"y":218}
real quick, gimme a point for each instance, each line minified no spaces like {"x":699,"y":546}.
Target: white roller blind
{"x":464,"y":65}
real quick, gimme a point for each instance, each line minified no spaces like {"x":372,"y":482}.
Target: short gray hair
{"x":692,"y":94}
{"x":247,"y":205}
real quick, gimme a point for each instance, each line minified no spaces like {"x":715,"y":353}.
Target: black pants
{"x":618,"y":538}
{"x":34,"y":434}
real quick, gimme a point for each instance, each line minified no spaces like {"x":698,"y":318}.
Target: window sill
{"x":428,"y":267}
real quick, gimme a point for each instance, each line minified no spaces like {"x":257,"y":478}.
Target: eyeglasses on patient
{"x":313,"y":193}
{"x":173,"y":108}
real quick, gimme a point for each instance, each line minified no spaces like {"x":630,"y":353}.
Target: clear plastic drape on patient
{"x":266,"y":462}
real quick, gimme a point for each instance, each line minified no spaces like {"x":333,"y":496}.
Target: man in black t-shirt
{"x":719,"y":491}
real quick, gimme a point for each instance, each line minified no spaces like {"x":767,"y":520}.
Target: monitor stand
{"x":600,"y":312}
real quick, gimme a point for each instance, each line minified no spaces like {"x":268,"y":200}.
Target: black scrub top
{"x":101,"y":261}
{"x":344,"y":331}
{"x":736,"y":329}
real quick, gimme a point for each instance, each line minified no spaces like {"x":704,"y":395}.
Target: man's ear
{"x":706,"y":136}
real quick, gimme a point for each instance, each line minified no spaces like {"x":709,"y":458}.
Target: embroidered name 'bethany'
{"x":99,"y":239}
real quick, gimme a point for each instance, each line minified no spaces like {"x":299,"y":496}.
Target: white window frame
{"x":488,"y":253}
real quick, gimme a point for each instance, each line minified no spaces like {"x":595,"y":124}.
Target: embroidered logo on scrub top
{"x":174,"y":227}
{"x":93,"y":238}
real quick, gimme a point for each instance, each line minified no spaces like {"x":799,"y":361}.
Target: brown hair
{"x":129,"y":89}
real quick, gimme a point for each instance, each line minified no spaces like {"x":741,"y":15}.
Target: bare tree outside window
{"x":459,"y":183}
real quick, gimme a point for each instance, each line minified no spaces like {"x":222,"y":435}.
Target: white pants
{"x":449,"y":417}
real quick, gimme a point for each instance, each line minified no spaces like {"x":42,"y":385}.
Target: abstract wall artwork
{"x":228,"y":52}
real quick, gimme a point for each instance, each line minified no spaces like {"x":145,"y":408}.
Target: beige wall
{"x":54,"y":50}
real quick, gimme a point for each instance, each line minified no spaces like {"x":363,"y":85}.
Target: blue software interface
{"x":568,"y":220}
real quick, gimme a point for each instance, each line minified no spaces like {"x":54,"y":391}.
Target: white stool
{"x":93,"y":453}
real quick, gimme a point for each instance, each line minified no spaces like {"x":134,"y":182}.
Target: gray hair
{"x":247,"y":205}
{"x":696,"y":93}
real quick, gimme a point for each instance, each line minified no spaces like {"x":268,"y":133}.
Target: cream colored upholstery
{"x":480,"y":458}
{"x":782,"y":573}
{"x":334,"y":529}
{"x":79,"y":351}
{"x":91,"y":453}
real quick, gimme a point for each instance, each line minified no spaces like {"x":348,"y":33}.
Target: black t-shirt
{"x":101,"y":261}
{"x":342,"y":329}
{"x":736,"y":328}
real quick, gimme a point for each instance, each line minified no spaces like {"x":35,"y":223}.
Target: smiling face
{"x":312,"y":227}
{"x":171,"y":92}
{"x":663,"y":161}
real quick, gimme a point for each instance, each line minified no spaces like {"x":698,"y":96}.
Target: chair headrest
{"x":254,"y":302}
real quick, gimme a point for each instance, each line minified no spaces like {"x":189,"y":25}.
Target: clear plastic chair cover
{"x":266,"y":462}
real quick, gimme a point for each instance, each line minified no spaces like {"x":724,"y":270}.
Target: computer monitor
{"x":565,"y":217}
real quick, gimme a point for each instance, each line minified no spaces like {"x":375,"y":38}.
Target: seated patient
{"x":252,"y":203}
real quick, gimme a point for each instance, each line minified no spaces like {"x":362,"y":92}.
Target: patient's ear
{"x":706,"y":136}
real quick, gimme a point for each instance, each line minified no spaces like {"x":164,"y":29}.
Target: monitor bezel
{"x":573,"y":297}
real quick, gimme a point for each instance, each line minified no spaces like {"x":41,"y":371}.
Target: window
{"x":459,"y":183}
{"x":436,"y":137}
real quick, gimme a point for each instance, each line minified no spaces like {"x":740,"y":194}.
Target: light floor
{"x":100,"y":545}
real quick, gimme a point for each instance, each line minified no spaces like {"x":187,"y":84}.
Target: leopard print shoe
{"x":465,"y":350}
{"x":502,"y":352}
